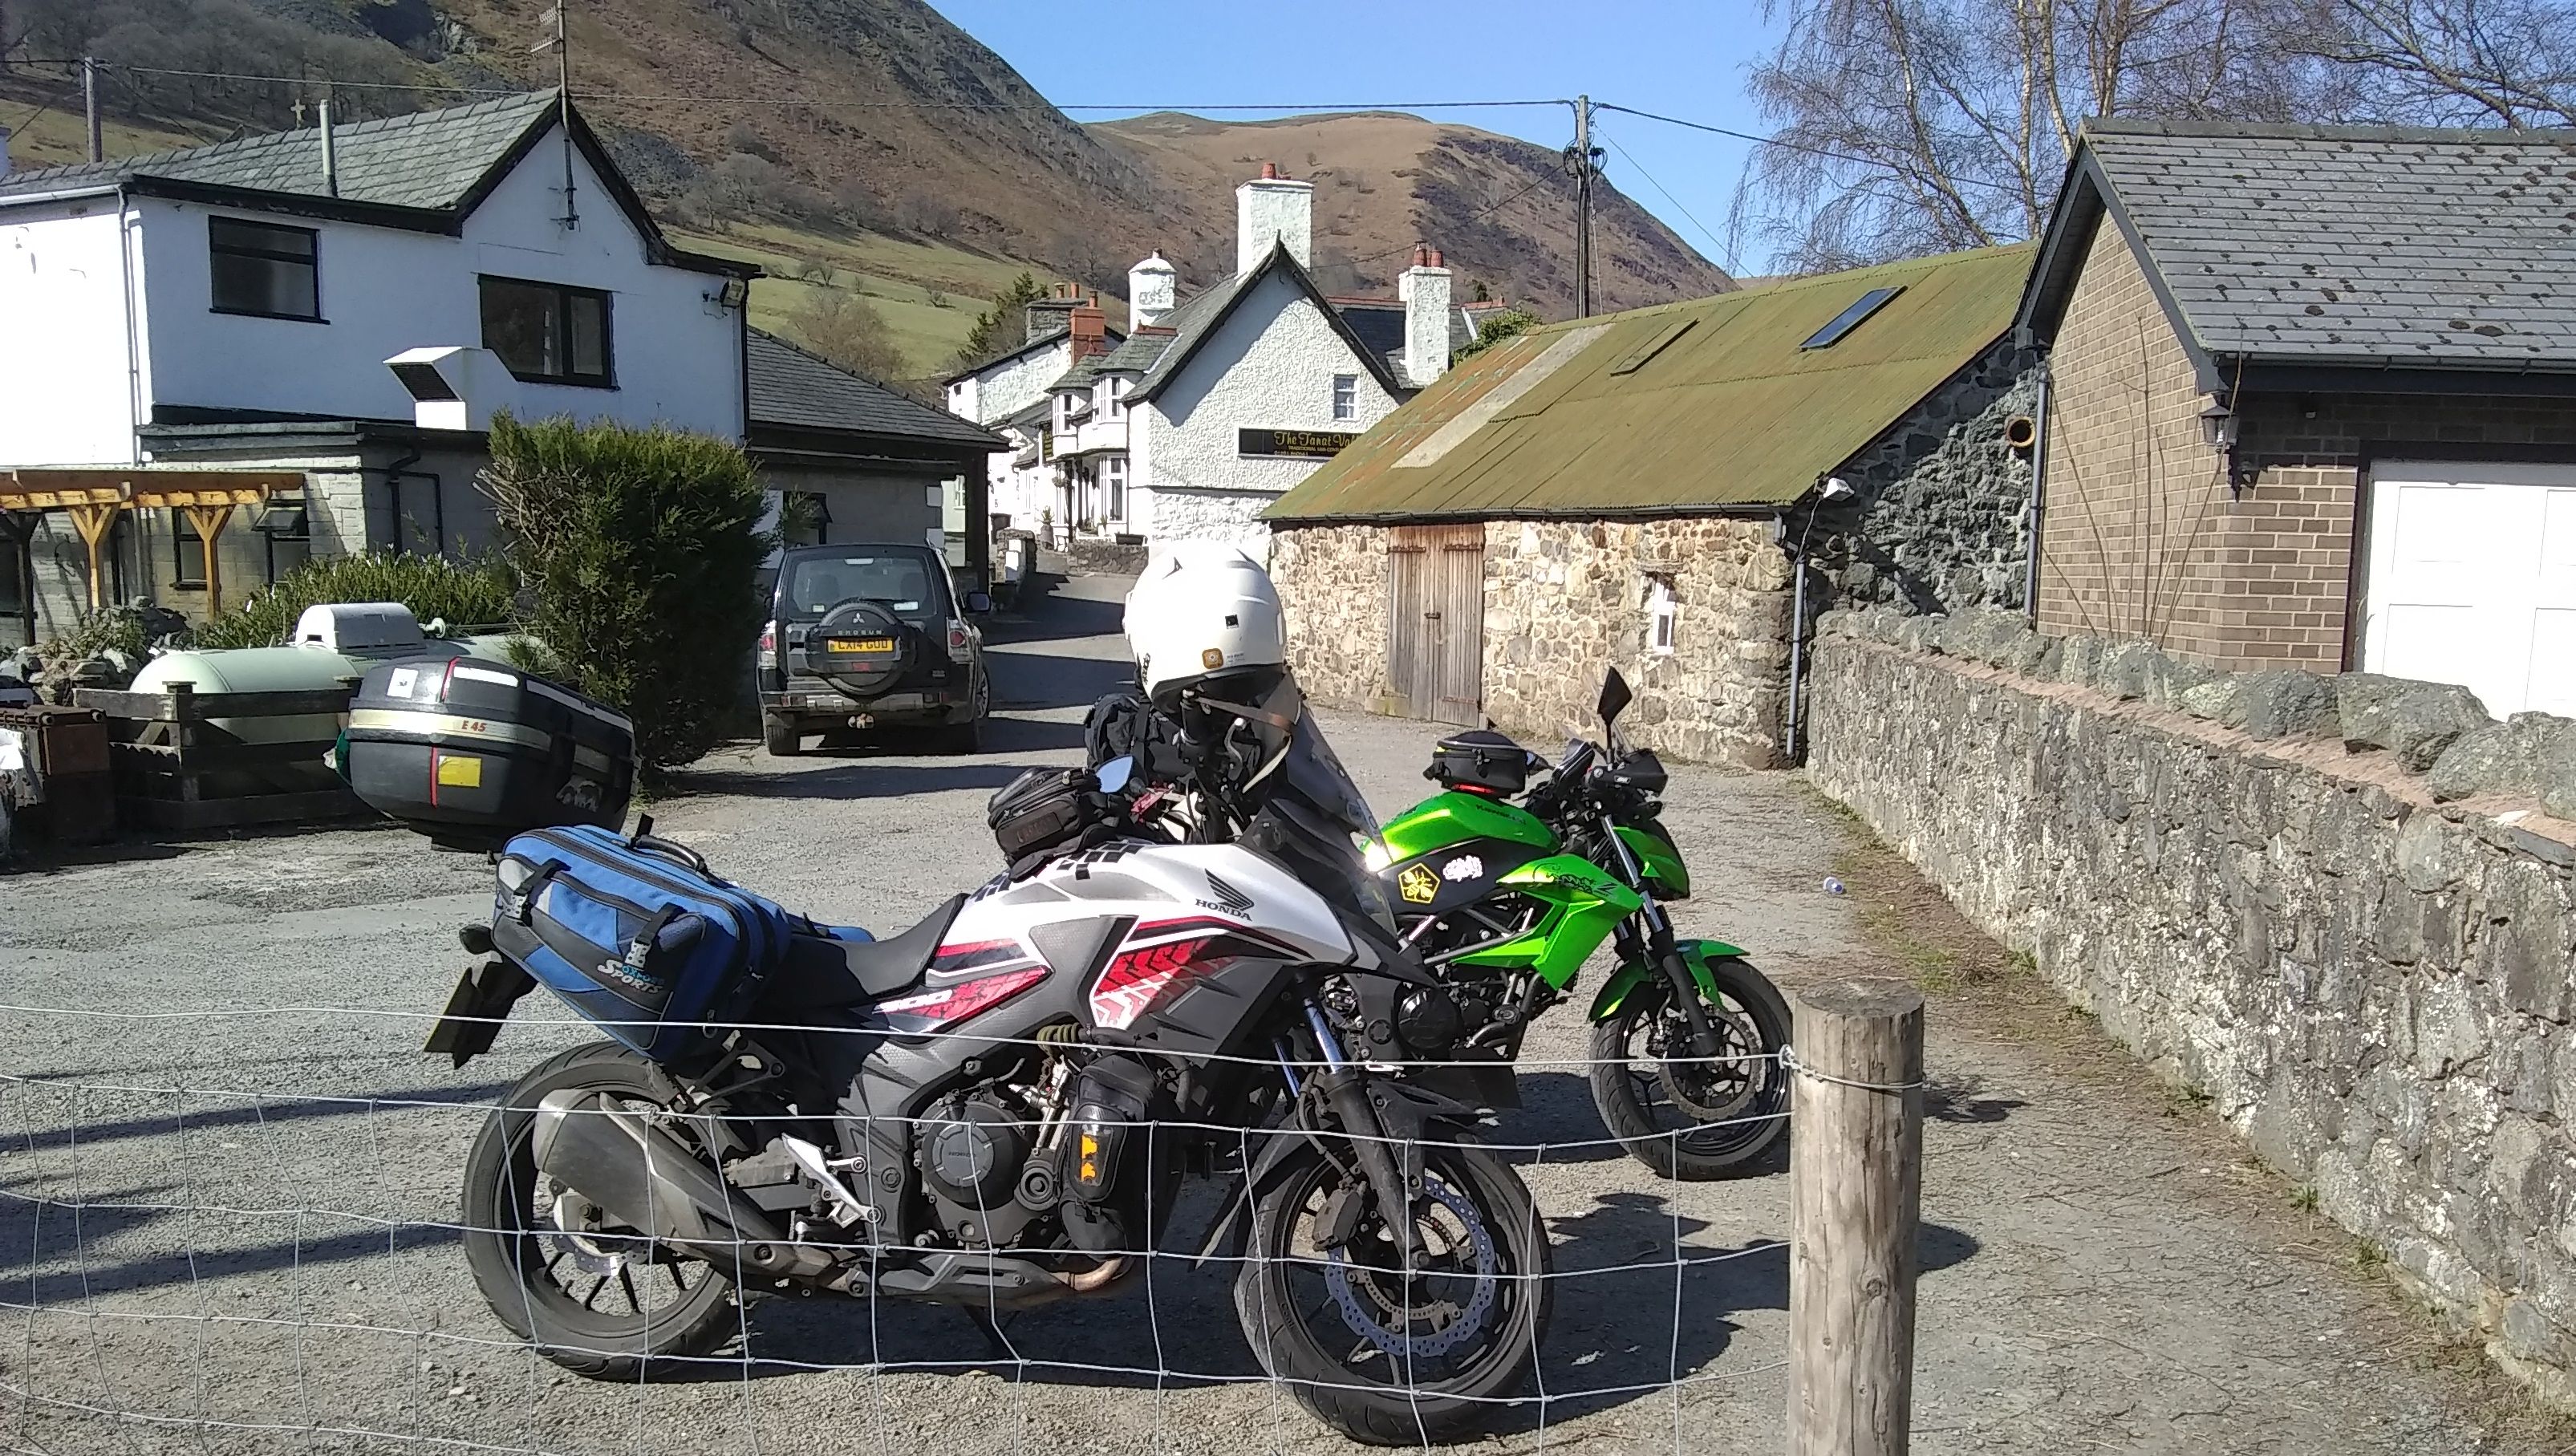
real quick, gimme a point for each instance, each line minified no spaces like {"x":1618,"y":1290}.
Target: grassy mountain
{"x":924,"y":172}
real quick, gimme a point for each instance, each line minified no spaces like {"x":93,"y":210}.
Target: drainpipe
{"x":2038,"y":497}
{"x":394,"y":473}
{"x":1797,"y":645}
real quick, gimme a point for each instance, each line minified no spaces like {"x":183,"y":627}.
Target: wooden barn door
{"x":1436,"y":621}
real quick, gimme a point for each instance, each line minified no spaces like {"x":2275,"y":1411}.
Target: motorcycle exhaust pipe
{"x":648,"y":1179}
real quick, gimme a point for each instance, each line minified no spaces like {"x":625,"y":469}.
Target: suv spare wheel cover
{"x":859,"y":647}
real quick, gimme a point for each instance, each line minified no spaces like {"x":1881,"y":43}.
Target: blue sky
{"x":1683,"y":58}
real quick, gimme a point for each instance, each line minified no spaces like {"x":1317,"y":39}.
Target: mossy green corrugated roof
{"x":1705,"y":405}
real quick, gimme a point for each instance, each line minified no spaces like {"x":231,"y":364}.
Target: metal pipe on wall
{"x":2038,"y":498}
{"x":1797,"y":653}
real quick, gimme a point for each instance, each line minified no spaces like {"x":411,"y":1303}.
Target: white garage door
{"x":2473,"y":580}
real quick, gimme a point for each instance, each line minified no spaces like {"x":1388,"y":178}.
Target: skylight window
{"x":1850,"y":318}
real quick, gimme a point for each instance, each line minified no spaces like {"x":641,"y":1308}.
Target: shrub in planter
{"x":466,"y":593}
{"x":642,"y":550}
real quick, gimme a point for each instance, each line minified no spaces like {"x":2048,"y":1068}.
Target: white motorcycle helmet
{"x":1203,"y":610}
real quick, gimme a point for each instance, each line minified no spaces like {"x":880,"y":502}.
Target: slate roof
{"x":788,"y":387}
{"x":2328,"y":245}
{"x":1690,"y":408}
{"x":1380,"y":323}
{"x":423,"y":170}
{"x":428,"y":159}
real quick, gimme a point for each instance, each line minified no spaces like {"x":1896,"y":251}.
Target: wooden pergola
{"x":95,"y":498}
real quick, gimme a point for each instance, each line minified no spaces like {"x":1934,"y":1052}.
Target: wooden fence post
{"x":1855,"y":1186}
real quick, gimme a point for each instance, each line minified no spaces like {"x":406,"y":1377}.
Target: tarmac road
{"x":236,"y":1230}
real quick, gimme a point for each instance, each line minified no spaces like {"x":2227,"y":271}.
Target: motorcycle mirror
{"x":1116,"y":774}
{"x":1615,"y":697}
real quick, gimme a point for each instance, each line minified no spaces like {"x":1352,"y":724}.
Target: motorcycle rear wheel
{"x":596,"y":1303}
{"x":1692,"y":1122}
{"x":1386,"y":1358}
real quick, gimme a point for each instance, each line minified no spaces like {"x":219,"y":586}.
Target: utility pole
{"x":1583,"y":206}
{"x":89,"y":105}
{"x":561,"y":45}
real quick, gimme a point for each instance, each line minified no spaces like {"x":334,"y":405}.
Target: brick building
{"x":2312,"y":400}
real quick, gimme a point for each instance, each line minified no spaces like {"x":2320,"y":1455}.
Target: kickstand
{"x":994,"y":1340}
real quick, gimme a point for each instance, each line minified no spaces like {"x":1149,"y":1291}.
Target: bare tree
{"x":1912,"y":126}
{"x":2465,"y":62}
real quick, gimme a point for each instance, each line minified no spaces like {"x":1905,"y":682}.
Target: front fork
{"x":1656,"y":947}
{"x":1343,"y":1086}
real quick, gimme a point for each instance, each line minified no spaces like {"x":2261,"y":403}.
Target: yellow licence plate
{"x":859,"y":644}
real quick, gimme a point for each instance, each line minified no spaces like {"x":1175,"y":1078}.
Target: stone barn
{"x":1675,"y":492}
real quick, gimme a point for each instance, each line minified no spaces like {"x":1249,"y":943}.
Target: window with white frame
{"x":1660,"y":611}
{"x":1117,"y":405}
{"x":1113,"y":475}
{"x":1346,"y":396}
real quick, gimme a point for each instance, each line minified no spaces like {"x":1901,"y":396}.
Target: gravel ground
{"x":234,"y":1229}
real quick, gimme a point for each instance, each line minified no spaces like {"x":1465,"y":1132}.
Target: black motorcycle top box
{"x":1479,"y":759}
{"x":470,"y":752}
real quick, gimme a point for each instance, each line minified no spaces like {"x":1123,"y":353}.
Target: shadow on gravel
{"x":61,"y":1239}
{"x":861,"y":780}
{"x":1947,"y":1101}
{"x":1048,"y":617}
{"x":253,"y":1111}
{"x":1044,"y":680}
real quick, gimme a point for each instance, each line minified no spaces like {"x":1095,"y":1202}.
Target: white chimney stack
{"x":1272,"y":209}
{"x":1150,"y":288}
{"x":1424,"y":288}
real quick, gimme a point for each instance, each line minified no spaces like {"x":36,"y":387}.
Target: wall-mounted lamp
{"x":732,"y":292}
{"x":2218,"y":426}
{"x":1833,"y":490}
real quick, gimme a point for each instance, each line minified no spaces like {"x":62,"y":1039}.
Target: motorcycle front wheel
{"x":1693,"y":1120}
{"x":1387,"y":1356}
{"x":592,"y":1295}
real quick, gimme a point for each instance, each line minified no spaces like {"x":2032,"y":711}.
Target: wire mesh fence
{"x":250,"y":1231}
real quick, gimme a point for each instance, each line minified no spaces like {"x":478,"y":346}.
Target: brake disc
{"x":1690,"y":1085}
{"x":1464,"y":1324}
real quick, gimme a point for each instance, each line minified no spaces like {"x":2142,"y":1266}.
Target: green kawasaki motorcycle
{"x":1505,"y":902}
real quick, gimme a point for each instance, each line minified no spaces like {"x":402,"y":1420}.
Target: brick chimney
{"x":1090,"y":331}
{"x":1271,"y":208}
{"x":1424,"y":287}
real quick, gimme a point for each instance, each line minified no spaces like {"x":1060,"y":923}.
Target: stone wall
{"x":1231,"y":516}
{"x":1565,"y":601}
{"x":1332,"y":583}
{"x":2344,"y":908}
{"x":1947,"y":498}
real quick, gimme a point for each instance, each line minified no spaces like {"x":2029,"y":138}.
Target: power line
{"x":1810,"y":149}
{"x":1733,"y":264}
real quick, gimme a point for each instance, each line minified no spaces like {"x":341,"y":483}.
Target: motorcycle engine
{"x":974,"y":1147}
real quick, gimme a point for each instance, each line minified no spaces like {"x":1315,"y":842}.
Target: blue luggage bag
{"x":638,"y":934}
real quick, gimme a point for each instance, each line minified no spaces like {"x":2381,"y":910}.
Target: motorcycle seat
{"x":822,"y":973}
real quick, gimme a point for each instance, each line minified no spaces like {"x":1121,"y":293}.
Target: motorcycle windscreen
{"x":1315,"y":823}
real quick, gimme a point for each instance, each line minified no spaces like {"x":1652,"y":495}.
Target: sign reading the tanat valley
{"x":1317,"y":444}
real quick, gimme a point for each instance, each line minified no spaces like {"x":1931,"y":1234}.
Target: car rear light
{"x":769,"y":645}
{"x":958,"y":640}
